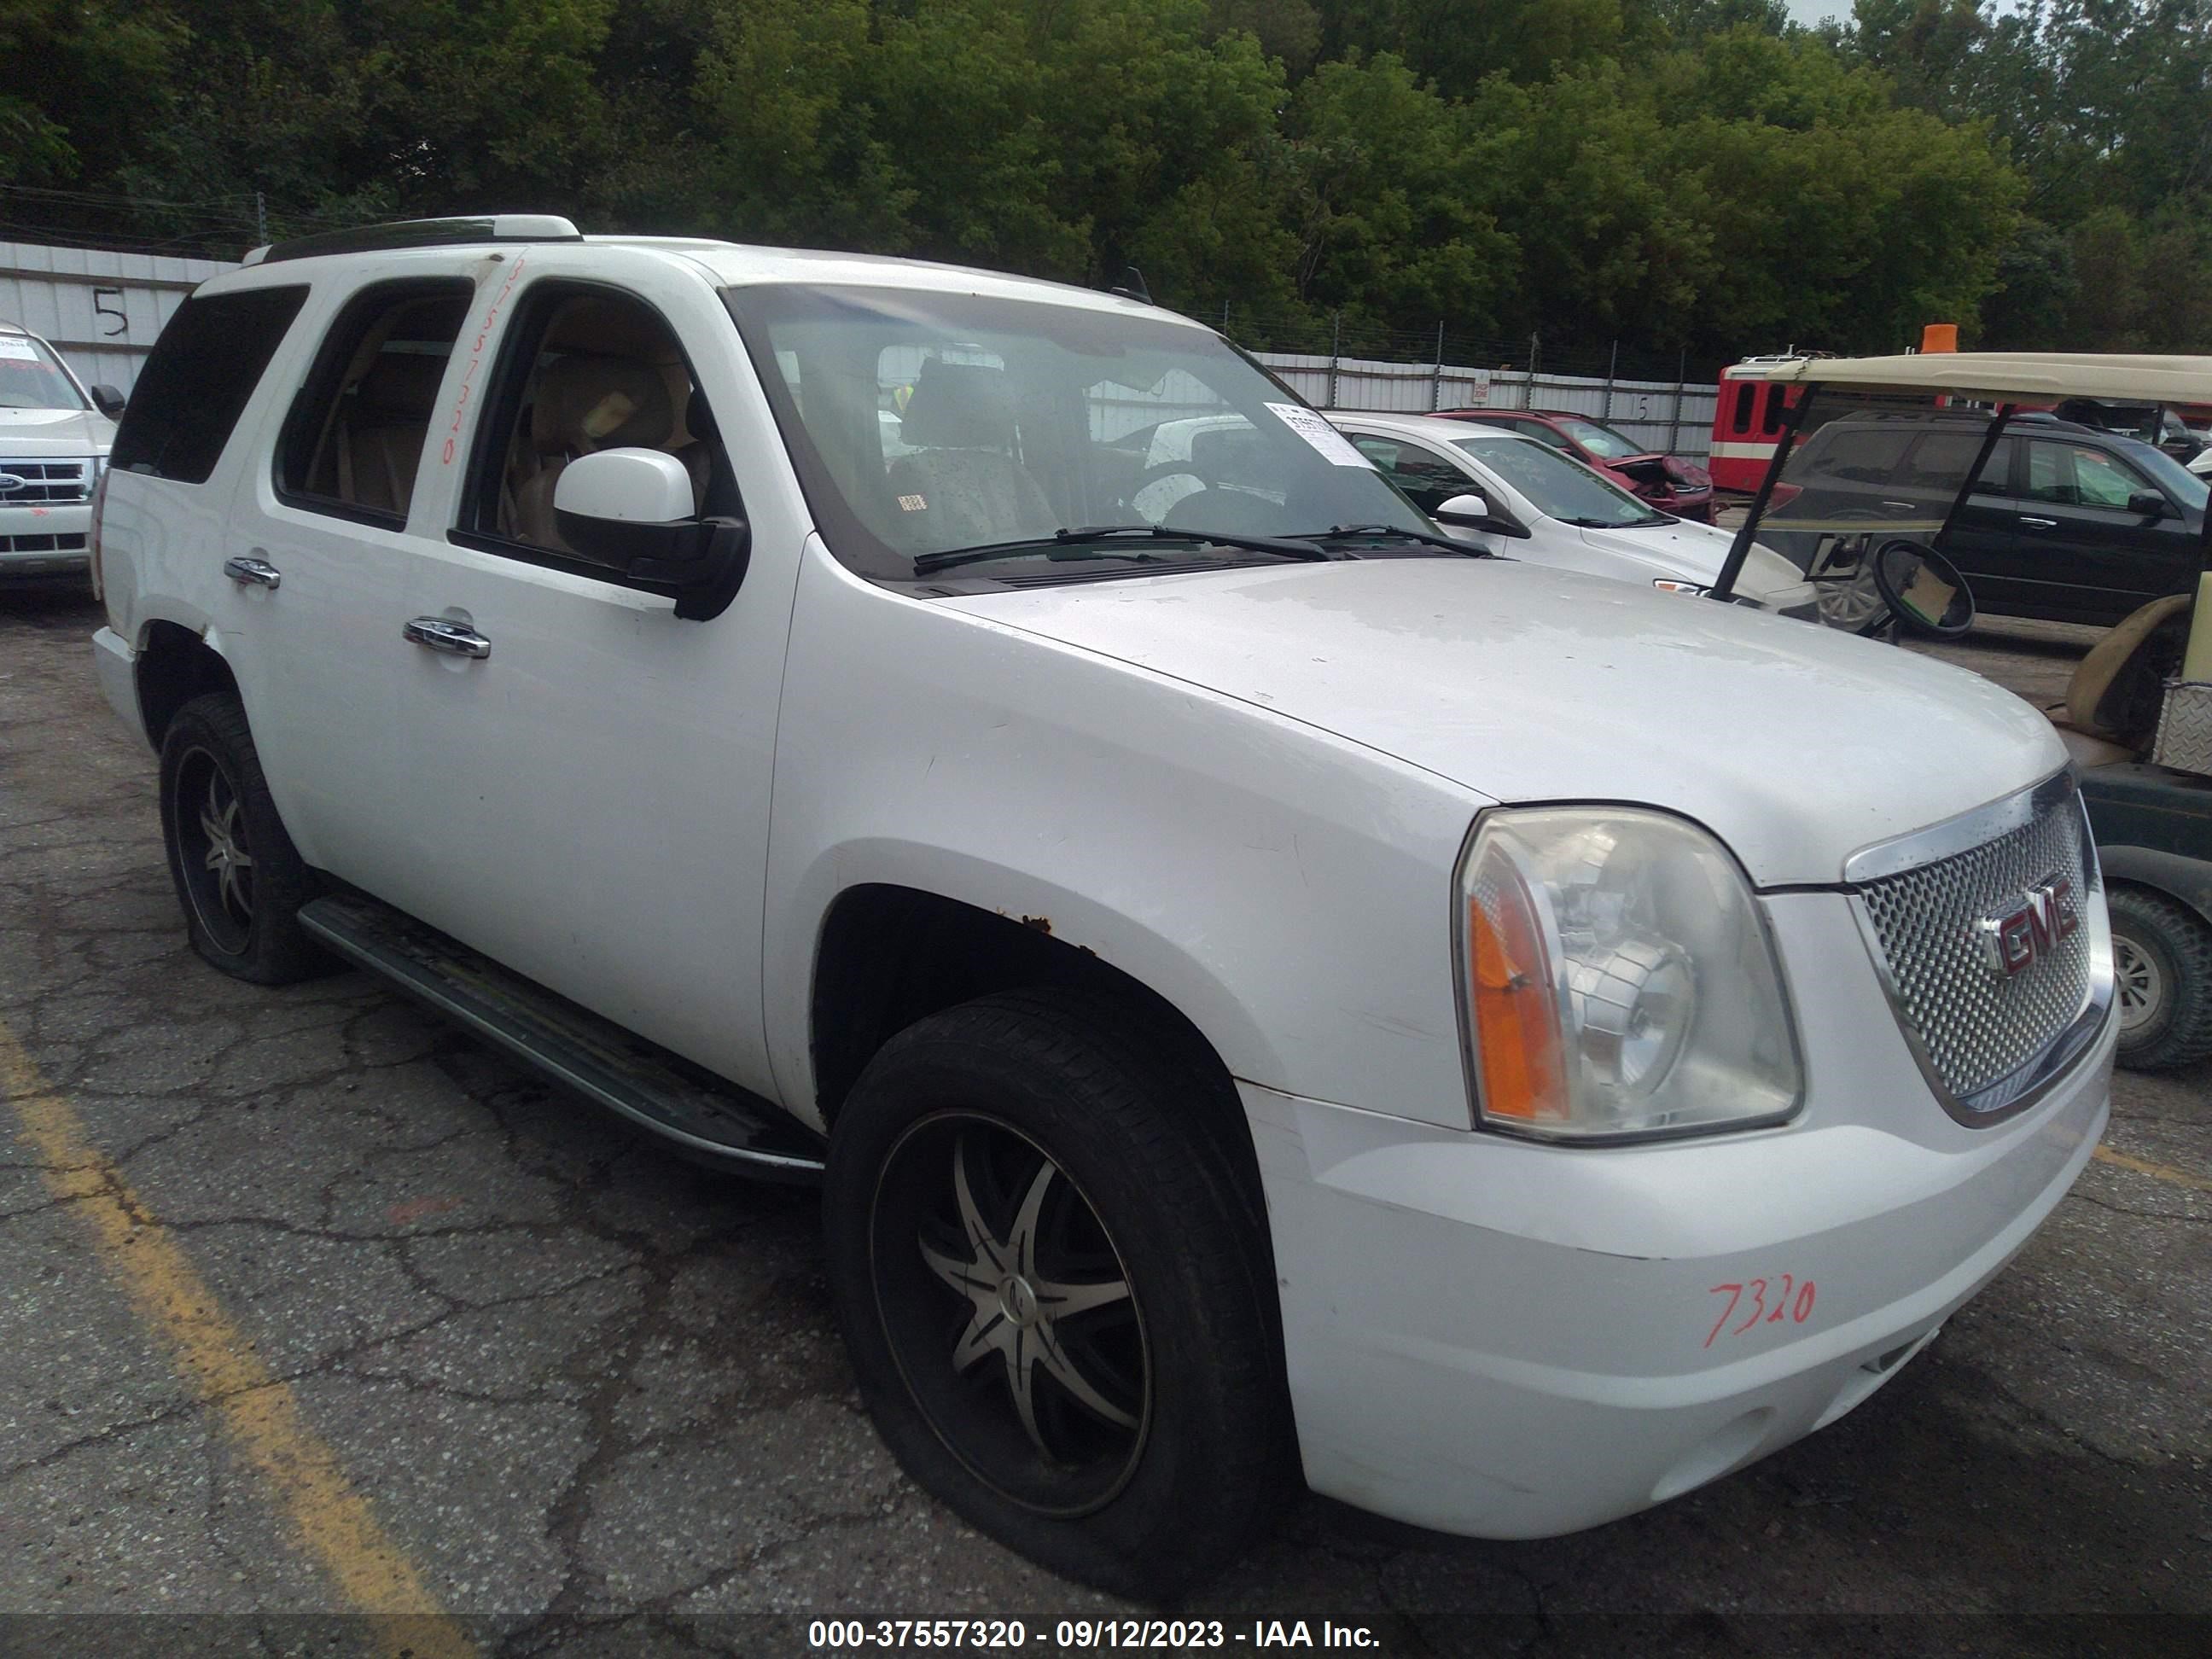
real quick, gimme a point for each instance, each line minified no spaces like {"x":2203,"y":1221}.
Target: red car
{"x":1668,"y":482}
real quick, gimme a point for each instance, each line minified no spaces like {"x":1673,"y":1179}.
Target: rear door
{"x":2092,"y":560}
{"x":1982,"y":537}
{"x":322,"y":535}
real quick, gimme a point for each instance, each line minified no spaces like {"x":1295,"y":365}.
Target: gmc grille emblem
{"x":2013,"y":941}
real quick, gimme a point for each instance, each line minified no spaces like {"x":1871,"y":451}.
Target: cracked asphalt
{"x":594,"y":1397}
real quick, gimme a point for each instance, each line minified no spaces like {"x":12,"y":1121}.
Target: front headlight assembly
{"x":1617,"y":979}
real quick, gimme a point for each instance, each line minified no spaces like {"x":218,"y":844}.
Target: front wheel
{"x":2162,"y":969}
{"x":1054,"y":1294}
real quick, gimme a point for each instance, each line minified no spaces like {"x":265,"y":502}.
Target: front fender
{"x":1288,"y":890}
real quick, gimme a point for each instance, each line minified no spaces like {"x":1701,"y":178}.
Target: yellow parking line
{"x":2156,"y":1171}
{"x":261,"y":1413}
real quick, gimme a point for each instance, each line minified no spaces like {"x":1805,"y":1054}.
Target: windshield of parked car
{"x":1559,"y":485}
{"x":1602,"y":441}
{"x":924,"y":424}
{"x":31,"y":379}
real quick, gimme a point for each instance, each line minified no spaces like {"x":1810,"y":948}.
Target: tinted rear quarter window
{"x":195,"y":384}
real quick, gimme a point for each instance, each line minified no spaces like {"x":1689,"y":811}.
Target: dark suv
{"x":2065,"y":522}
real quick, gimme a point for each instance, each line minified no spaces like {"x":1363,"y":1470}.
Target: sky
{"x":1811,"y":11}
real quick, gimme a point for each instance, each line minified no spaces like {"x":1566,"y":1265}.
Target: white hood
{"x":1796,"y":745}
{"x":29,"y":433}
{"x":1696,"y":551}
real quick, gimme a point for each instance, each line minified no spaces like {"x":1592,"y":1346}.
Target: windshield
{"x":923,"y":423}
{"x":1559,"y":485}
{"x":1601,"y":440}
{"x":31,"y":379}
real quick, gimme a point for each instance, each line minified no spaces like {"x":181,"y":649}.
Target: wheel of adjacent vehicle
{"x":2162,"y":967}
{"x":1056,"y":1295}
{"x":238,"y":877}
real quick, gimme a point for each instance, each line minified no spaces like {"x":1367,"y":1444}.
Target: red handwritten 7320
{"x":1796,"y":1308}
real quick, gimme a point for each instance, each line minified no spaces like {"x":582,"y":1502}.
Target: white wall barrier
{"x":101,"y":310}
{"x":1674,"y":418}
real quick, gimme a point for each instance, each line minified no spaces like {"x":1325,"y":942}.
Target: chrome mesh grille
{"x":1980,"y":1028}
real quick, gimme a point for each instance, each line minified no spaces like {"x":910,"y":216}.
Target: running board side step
{"x":713,"y":1120}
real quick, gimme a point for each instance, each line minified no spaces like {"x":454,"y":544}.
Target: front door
{"x":591,"y":795}
{"x":2096,"y":560}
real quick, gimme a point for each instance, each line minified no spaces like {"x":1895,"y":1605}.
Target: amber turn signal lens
{"x":1517,"y":1019}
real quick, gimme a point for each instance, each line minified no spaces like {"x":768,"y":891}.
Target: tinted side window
{"x":1863,"y":454}
{"x":1430,"y":480}
{"x":1939,"y":461}
{"x":587,"y":368}
{"x":196,"y":384}
{"x":1741,"y":419}
{"x":356,"y":429}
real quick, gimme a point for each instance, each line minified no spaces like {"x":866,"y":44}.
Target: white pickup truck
{"x":1265,"y":991}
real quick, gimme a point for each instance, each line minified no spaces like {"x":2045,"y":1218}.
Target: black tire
{"x":1069,"y":1110}
{"x":2162,"y":954}
{"x":238,"y":878}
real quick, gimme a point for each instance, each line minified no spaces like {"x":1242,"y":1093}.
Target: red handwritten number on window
{"x":1799,"y":1308}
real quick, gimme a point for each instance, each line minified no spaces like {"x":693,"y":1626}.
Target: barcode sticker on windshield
{"x":15,"y":346}
{"x":1325,"y":438}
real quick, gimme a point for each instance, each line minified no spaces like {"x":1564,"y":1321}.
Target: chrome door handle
{"x":252,"y":573}
{"x":2027,"y":523}
{"x":443,"y":634}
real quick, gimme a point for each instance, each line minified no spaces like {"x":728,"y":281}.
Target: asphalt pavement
{"x":311,"y":1306}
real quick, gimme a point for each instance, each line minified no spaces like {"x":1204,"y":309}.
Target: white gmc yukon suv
{"x":1263,"y":989}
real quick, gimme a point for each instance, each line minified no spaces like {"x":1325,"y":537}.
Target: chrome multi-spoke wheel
{"x":218,"y":863}
{"x":1009,"y":1313}
{"x":2140,"y":983}
{"x":240,"y":880}
{"x":1048,"y":1250}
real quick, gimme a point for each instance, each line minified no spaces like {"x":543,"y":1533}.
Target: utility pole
{"x":260,"y":217}
{"x":1335,"y":350}
{"x":1612,"y":371}
{"x":1437,"y":380}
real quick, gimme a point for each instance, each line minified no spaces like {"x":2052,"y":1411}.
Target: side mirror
{"x":2150,"y":504}
{"x":632,"y":509}
{"x":108,"y":401}
{"x":1468,"y":509}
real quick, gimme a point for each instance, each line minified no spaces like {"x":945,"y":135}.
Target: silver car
{"x":1548,"y":509}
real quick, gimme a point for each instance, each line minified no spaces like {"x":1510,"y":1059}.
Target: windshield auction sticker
{"x":17,"y":348}
{"x":1325,"y":438}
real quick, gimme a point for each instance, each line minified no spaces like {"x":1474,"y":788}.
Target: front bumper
{"x":45,"y":541}
{"x":1507,"y":1340}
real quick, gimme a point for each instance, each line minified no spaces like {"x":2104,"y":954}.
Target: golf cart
{"x":2137,"y":719}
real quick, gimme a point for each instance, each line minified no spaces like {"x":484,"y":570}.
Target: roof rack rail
{"x":422,"y":233}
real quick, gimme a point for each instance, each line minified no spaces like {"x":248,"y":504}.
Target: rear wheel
{"x":1053,"y":1291}
{"x":238,"y":877}
{"x":2162,"y":969}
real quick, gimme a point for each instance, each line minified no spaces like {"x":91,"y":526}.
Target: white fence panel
{"x":1673,"y":419}
{"x":102,"y":311}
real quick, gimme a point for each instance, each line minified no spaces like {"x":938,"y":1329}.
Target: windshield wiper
{"x":1071,"y":545}
{"x":1345,"y":533}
